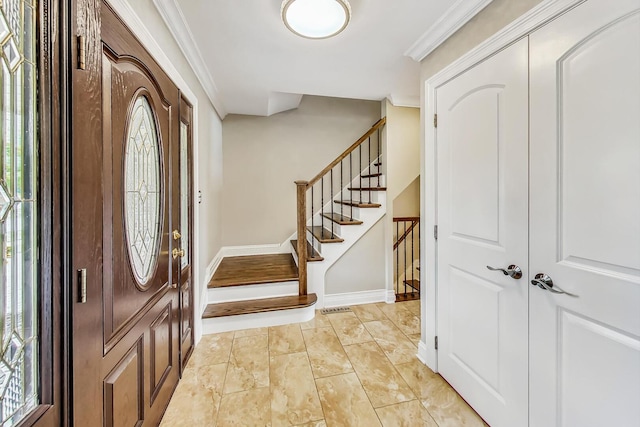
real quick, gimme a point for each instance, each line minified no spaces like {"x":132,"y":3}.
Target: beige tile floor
{"x":355,"y":368}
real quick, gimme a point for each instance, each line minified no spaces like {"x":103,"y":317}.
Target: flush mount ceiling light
{"x":316,"y":19}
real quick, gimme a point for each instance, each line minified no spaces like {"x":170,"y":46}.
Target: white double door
{"x":539,"y":166}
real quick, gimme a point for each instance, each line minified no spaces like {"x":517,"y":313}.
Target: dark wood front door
{"x":126,"y":129}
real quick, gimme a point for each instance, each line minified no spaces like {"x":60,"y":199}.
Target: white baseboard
{"x":390,"y":297}
{"x":212,"y":267}
{"x":255,"y":320}
{"x":355,"y":298}
{"x":276,"y":248}
{"x":422,"y":352}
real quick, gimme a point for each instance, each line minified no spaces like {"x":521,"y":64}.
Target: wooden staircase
{"x":245,"y":286}
{"x":331,"y":207}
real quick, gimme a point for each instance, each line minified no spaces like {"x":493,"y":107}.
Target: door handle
{"x":513,"y":271}
{"x":177,"y":253}
{"x":543,"y":281}
{"x":176,"y":235}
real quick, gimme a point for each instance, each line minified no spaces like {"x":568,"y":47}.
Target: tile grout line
{"x":306,"y":350}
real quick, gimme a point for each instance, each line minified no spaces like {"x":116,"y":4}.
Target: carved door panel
{"x":125,"y":325}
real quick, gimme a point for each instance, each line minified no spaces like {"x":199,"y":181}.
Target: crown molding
{"x":404,"y":101}
{"x":452,"y":20}
{"x":174,"y":18}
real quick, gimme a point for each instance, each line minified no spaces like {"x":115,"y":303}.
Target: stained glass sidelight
{"x":184,"y":193}
{"x":142,"y":189}
{"x":18,"y":211}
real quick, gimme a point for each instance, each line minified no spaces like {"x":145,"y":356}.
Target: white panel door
{"x":482,"y":143}
{"x":585,"y":217}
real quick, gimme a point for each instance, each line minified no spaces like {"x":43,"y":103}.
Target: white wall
{"x":263,"y":156}
{"x":208,"y":143}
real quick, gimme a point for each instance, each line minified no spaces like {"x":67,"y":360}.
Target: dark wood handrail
{"x":355,"y":145}
{"x":414,"y":222}
{"x":406,"y":218}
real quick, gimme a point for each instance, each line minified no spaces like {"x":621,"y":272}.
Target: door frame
{"x":521,"y":27}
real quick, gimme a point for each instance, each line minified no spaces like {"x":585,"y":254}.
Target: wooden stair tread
{"x":235,"y":308}
{"x":409,"y":296}
{"x":368,"y":189}
{"x":413,"y":283}
{"x":341,"y":219}
{"x":323,"y":235}
{"x":254,"y":269}
{"x":357,"y":204}
{"x":312,"y":254}
{"x":372,"y":175}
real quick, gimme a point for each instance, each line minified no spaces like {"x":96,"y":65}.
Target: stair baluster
{"x":360,"y":168}
{"x":379,"y":156}
{"x":341,"y":191}
{"x":321,"y":207}
{"x":351,"y":183}
{"x":369,"y":169}
{"x":331,"y":203}
{"x":405,"y":258}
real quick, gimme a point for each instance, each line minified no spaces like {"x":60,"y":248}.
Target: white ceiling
{"x":250,"y":63}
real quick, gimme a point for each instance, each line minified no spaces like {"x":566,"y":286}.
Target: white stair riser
{"x":249,"y":292}
{"x":364,"y":196}
{"x":370,"y":182}
{"x":247,"y":321}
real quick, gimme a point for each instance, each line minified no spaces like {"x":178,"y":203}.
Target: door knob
{"x":177,"y":253}
{"x":176,"y":235}
{"x":543,"y":281}
{"x":513,"y":270}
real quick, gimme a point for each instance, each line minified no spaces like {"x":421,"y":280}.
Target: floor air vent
{"x":335,"y":310}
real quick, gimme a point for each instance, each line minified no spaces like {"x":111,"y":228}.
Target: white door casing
{"x":482,"y":158}
{"x":585,"y":217}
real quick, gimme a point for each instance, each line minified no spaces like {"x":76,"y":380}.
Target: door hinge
{"x":436,"y":342}
{"x":435,"y":120}
{"x":435,"y":232}
{"x":82,"y":52}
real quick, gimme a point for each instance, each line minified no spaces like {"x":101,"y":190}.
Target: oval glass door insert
{"x":142,"y":188}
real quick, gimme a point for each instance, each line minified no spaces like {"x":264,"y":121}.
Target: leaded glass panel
{"x":18,"y":212}
{"x":184,"y":193}
{"x":142,"y":189}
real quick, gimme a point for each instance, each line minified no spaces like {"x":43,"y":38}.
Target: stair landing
{"x":254,"y":269}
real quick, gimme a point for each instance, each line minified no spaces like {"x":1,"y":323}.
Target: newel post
{"x":301,"y":187}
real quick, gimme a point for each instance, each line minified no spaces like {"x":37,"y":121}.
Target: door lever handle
{"x":513,"y":271}
{"x":543,"y":281}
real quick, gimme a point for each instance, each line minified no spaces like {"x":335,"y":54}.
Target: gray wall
{"x":263,"y":156}
{"x":408,"y":202}
{"x":362,"y":267}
